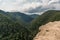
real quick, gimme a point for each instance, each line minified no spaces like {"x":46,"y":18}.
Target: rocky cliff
{"x":49,"y":31}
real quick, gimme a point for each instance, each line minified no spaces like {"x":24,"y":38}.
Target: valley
{"x":19,"y":26}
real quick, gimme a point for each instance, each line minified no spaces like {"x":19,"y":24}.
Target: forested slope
{"x":48,"y":16}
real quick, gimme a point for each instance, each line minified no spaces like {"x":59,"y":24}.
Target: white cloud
{"x":29,"y":6}
{"x":53,"y":1}
{"x":18,"y":5}
{"x":26,"y":5}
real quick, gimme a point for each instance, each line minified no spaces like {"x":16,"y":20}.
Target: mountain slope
{"x":50,"y":31}
{"x":12,"y":30}
{"x":48,"y":16}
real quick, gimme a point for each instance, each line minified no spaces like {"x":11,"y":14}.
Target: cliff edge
{"x":49,"y":31}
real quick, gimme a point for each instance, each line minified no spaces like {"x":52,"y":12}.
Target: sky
{"x":29,"y":6}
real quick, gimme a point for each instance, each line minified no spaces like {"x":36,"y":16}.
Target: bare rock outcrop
{"x":49,"y":31}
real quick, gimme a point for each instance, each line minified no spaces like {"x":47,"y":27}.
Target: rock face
{"x":50,"y":31}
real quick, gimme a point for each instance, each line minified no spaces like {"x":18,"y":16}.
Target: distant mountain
{"x":34,"y":15}
{"x":17,"y":16}
{"x":21,"y":16}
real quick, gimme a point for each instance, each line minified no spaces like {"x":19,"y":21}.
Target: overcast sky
{"x":29,"y":6}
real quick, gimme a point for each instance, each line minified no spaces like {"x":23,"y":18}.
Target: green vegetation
{"x":18,"y":26}
{"x":49,"y":16}
{"x":10,"y":30}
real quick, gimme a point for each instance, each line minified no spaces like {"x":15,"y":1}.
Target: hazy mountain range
{"x":18,"y":16}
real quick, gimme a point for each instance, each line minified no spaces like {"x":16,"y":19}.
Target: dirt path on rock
{"x":50,"y":31}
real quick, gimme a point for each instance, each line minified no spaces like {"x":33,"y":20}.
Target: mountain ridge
{"x":48,"y":16}
{"x":19,"y":15}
